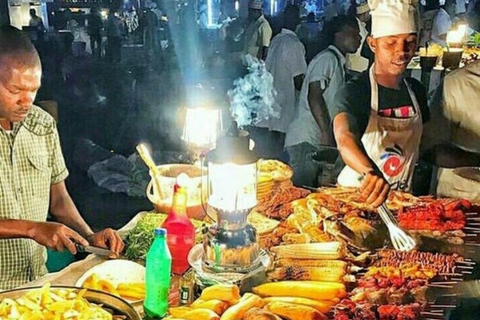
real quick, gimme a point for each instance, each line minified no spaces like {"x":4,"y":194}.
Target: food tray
{"x":117,"y":305}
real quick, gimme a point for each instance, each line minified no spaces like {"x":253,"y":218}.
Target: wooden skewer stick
{"x":465,"y":267}
{"x":436,"y":311}
{"x":439,"y":286}
{"x":466,"y":261}
{"x":457,"y":279}
{"x":473,"y":229}
{"x":473,"y":218}
{"x":471,"y":214}
{"x":445,"y":283}
{"x":450,"y":274}
{"x":425,"y":313}
{"x":473,"y":224}
{"x":443,"y":306}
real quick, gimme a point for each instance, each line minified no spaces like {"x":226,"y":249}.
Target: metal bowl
{"x":112,"y":303}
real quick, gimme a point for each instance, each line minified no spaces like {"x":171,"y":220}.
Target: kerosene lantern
{"x":231,"y":244}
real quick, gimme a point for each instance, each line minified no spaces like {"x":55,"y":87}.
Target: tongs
{"x":400,"y":240}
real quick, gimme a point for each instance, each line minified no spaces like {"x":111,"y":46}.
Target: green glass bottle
{"x":159,"y":264}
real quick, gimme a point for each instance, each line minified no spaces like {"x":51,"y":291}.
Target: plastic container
{"x":167,"y":179}
{"x":157,"y":279}
{"x":181,"y":232}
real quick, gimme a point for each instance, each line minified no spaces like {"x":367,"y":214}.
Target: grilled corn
{"x":319,"y":251}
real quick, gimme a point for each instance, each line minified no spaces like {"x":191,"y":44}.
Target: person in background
{"x":114,"y":37}
{"x":286,"y":62}
{"x":95,"y":26}
{"x":150,"y":30}
{"x":356,"y":63}
{"x":309,"y":30}
{"x":35,"y":21}
{"x":436,"y":23}
{"x":325,"y":75}
{"x":456,"y":121}
{"x":33,"y":173}
{"x":258,"y":33}
{"x":331,"y":10}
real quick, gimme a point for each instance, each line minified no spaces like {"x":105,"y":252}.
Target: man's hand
{"x":56,"y":236}
{"x":107,"y":238}
{"x":374,"y":188}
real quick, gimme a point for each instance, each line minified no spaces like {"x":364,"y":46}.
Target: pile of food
{"x":306,"y":300}
{"x":56,"y":304}
{"x":320,"y":267}
{"x":130,"y":291}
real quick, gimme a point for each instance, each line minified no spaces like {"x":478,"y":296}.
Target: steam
{"x":252,"y":97}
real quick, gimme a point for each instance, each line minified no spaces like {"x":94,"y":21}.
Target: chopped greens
{"x":140,"y":238}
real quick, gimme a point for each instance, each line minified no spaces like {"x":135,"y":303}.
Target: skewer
{"x":474,"y":224}
{"x":473,"y":229}
{"x":473,"y":218}
{"x":466,"y":262}
{"x":457,"y":279}
{"x":471,"y":235}
{"x":448,"y":295}
{"x":466,"y":272}
{"x":469,"y":214}
{"x":439,"y":286}
{"x":436,"y":311}
{"x":465,"y":267}
{"x":443,"y":306}
{"x":425,"y":313}
{"x":450,"y":274}
{"x":445,"y":283}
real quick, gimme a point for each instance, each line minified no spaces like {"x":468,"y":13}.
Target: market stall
{"x":316,"y":254}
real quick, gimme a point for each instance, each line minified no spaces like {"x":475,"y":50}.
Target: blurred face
{"x":393,"y":53}
{"x":348,"y":40}
{"x":254,"y":14}
{"x":19,"y":83}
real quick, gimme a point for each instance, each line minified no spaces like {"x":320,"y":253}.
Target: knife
{"x":96,"y":250}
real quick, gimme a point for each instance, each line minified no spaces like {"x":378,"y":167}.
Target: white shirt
{"x":285,"y":61}
{"x":257,"y":35}
{"x":328,"y":67}
{"x":355,"y":61}
{"x":460,"y":7}
{"x":435,"y":23}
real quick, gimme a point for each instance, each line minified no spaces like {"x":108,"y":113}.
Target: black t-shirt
{"x":354,"y":98}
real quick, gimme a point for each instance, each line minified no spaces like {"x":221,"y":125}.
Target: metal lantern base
{"x":227,"y":248}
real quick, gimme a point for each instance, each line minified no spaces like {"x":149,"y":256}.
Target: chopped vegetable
{"x":140,"y":237}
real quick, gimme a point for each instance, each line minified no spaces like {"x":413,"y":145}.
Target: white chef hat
{"x":362,"y":8}
{"x":392,"y":17}
{"x":255,"y":4}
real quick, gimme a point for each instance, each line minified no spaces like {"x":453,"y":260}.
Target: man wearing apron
{"x":378,"y":117}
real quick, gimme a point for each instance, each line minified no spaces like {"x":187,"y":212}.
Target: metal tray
{"x":119,"y":306}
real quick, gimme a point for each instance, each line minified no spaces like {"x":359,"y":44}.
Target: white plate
{"x":116,"y":271}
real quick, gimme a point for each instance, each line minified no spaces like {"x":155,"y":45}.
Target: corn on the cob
{"x":320,"y":251}
{"x":307,"y":273}
{"x":312,"y":263}
{"x":323,"y":306}
{"x":315,"y":290}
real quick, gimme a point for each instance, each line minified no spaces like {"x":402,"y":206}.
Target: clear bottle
{"x":181,"y":232}
{"x":159,"y":262}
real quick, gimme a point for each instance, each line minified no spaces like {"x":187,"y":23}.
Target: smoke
{"x":252,"y":97}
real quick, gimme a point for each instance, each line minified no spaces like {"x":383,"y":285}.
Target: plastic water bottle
{"x":159,"y":263}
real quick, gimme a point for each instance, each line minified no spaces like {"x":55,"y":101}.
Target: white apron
{"x":392,"y":143}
